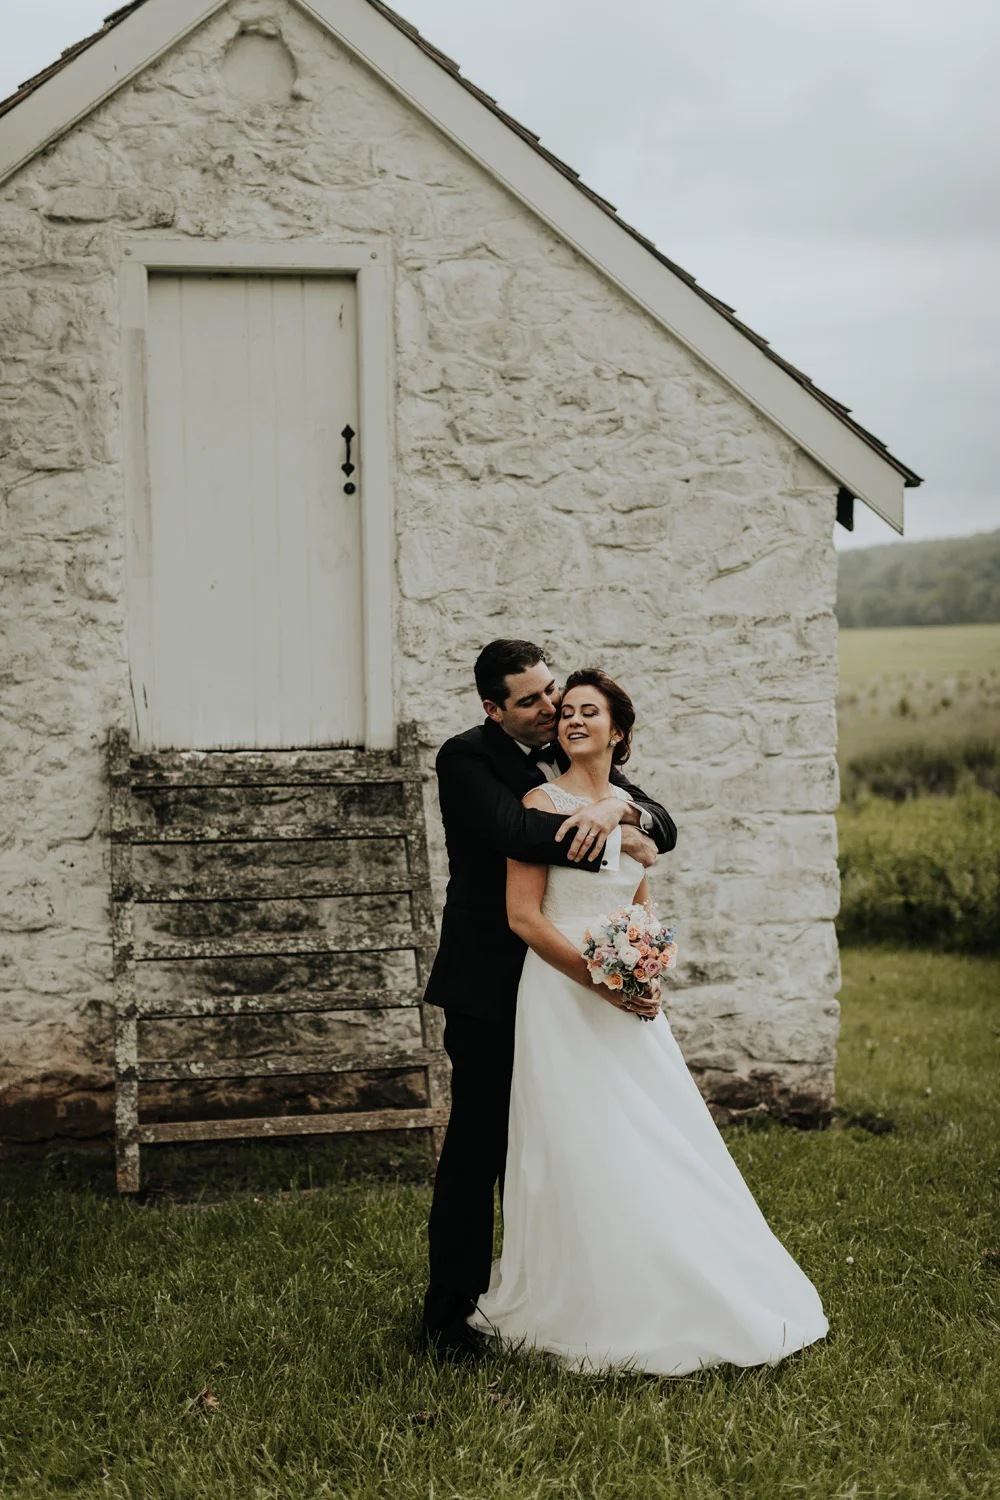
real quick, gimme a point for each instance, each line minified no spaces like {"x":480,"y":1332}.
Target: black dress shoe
{"x":457,"y":1344}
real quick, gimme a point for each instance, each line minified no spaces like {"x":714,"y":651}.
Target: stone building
{"x":233,"y":231}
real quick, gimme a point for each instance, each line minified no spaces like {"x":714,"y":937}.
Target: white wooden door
{"x":248,"y":628}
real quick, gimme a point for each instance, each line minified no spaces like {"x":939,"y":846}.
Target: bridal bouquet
{"x":628,"y":949}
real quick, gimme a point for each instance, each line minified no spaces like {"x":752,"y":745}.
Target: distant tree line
{"x":953,"y":582}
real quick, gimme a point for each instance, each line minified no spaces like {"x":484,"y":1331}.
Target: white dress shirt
{"x":613,"y":846}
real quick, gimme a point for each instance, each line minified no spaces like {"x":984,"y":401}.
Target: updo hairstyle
{"x":619,"y":706}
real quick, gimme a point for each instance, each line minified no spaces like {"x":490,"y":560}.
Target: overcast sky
{"x":828,"y":167}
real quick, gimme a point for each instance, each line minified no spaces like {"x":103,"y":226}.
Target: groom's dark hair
{"x":500,"y":660}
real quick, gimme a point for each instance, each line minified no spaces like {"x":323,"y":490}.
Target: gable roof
{"x":50,"y":103}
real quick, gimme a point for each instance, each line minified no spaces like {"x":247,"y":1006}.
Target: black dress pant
{"x":472,"y":1162}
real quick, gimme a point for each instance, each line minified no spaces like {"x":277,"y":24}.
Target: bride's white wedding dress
{"x":630,"y":1238}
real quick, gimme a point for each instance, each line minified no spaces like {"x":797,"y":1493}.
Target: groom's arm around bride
{"x":482,"y":776}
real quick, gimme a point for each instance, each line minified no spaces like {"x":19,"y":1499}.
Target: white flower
{"x":629,"y":956}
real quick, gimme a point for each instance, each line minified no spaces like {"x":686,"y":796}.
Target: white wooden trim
{"x":368,"y":262}
{"x":133,"y":303}
{"x":387,"y":51}
{"x":327,"y":257}
{"x":377,"y":516}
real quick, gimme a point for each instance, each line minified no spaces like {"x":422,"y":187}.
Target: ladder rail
{"x":134,"y":776}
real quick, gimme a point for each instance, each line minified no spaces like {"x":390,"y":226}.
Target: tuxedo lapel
{"x":512,"y":765}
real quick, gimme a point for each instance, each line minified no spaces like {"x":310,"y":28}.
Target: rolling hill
{"x":950,"y":582}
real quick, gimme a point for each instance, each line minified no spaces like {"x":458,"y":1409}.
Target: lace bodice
{"x":574,"y":898}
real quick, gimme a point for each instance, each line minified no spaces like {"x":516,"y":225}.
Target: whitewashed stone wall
{"x":565,"y":471}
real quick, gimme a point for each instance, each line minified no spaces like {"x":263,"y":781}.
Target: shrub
{"x":912,"y":769}
{"x":925,"y":871}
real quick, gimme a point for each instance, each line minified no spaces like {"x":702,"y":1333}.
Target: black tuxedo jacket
{"x":482,"y":776}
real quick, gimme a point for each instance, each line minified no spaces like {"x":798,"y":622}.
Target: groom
{"x":482,"y":776}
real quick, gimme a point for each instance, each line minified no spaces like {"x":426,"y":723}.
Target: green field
{"x":936,"y":650}
{"x":296,"y":1304}
{"x":939,"y":685}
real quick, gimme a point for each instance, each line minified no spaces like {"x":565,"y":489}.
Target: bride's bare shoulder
{"x":538,"y":798}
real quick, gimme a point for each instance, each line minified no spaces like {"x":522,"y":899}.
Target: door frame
{"x":368,"y":264}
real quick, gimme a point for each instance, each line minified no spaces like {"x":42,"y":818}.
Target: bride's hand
{"x":646,"y":1006}
{"x":594,"y":824}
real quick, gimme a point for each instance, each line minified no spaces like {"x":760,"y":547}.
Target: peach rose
{"x":614,"y":981}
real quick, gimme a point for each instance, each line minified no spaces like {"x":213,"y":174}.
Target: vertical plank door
{"x":251,"y":604}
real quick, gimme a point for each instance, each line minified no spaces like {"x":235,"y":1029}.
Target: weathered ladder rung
{"x":258,"y":767}
{"x":288,"y":1003}
{"x":211,"y":777}
{"x":255,"y":833}
{"x":280,"y":1065}
{"x":237,"y":887}
{"x":278,"y":944}
{"x":285,"y":1125}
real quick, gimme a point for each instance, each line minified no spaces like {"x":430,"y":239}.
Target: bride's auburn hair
{"x":619,"y":703}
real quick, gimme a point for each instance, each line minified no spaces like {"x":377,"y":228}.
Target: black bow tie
{"x":542,"y":752}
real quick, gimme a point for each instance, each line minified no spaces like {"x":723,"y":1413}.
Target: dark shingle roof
{"x":836,"y":407}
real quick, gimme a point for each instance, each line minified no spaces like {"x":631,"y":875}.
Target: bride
{"x":630,"y":1238}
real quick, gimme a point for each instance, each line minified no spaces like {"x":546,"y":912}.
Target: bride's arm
{"x":525,"y":889}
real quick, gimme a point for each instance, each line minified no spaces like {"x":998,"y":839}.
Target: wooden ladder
{"x":248,"y":884}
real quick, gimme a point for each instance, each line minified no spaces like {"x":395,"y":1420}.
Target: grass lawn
{"x":298,"y":1310}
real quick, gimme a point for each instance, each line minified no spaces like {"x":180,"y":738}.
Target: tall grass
{"x":935,"y":687}
{"x":924,"y":872}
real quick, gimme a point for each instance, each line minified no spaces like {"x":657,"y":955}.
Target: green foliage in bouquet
{"x":924,"y":872}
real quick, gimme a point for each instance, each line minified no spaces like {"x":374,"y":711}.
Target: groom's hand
{"x":639,"y":845}
{"x":593,"y":823}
